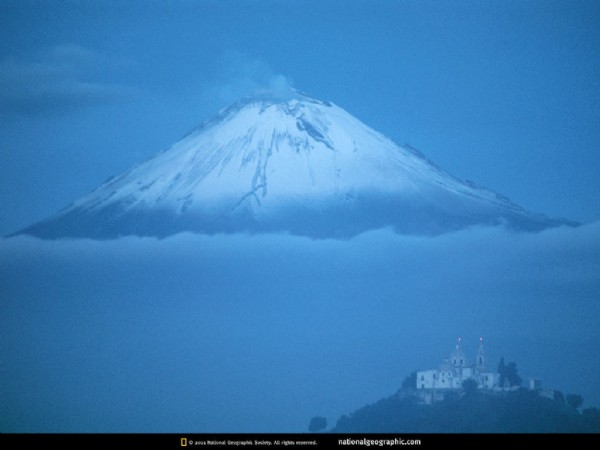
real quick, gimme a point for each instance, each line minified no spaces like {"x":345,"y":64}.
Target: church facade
{"x":454,"y":371}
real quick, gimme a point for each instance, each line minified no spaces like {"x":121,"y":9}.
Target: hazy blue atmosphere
{"x":239,"y":333}
{"x":506,"y":94}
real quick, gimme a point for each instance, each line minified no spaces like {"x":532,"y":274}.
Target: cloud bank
{"x":234,"y":333}
{"x":61,"y":78}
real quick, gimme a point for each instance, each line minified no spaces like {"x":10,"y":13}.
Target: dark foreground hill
{"x":520,"y":411}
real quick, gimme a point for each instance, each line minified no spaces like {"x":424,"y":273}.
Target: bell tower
{"x":481,"y":356}
{"x":458,"y":358}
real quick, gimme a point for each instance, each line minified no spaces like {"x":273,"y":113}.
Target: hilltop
{"x":518,"y":411}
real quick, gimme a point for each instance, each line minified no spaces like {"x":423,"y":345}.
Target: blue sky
{"x":506,"y":94}
{"x":140,"y":334}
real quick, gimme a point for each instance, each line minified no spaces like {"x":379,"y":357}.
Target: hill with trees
{"x":473,"y":411}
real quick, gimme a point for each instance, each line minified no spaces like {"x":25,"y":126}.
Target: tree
{"x":592,"y":416}
{"x":508,"y":373}
{"x":559,"y":396}
{"x":410,"y":382}
{"x":574,"y":400}
{"x":502,"y":371}
{"x":469,"y":386}
{"x":317,"y":423}
{"x":511,"y":374}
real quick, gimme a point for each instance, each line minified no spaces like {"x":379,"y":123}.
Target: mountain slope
{"x":520,"y":411}
{"x":297,"y":165}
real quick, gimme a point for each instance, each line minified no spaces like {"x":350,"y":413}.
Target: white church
{"x":433,"y":383}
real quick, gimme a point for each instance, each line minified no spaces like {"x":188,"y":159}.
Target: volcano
{"x":293,"y":165}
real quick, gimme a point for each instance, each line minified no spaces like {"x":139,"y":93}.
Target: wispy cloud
{"x":241,"y":76}
{"x":61,"y":78}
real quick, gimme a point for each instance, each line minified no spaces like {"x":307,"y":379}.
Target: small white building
{"x":453,"y":372}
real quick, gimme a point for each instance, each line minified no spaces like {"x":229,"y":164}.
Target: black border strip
{"x":195,"y":441}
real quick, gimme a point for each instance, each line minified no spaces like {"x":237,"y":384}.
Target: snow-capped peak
{"x":283,"y":163}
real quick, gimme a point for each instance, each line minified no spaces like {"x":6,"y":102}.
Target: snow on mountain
{"x":296,"y":165}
